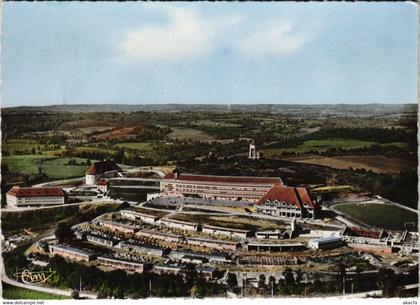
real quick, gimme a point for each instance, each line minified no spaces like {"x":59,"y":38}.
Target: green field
{"x":59,"y":168}
{"x":54,"y":168}
{"x":134,"y":145}
{"x":213,"y":123}
{"x":320,"y":146}
{"x":16,"y":293}
{"x":379,"y":215}
{"x":93,"y":149}
{"x":189,"y":134}
{"x":19,"y":144}
{"x":25,"y":164}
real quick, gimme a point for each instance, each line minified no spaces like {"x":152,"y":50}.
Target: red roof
{"x":224,"y":179}
{"x":35,"y":191}
{"x":291,"y":195}
{"x":91,"y":170}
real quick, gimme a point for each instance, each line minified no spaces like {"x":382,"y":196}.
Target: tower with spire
{"x":253,"y":150}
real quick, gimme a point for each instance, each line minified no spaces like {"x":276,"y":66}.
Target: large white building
{"x":236,"y":188}
{"x":29,"y":196}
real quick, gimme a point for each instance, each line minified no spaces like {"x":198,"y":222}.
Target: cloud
{"x":188,"y":34}
{"x":185,"y":34}
{"x":275,"y":38}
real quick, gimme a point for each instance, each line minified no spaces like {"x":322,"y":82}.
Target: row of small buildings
{"x":123,"y":263}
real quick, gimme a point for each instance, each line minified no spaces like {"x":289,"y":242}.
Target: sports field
{"x":379,"y":215}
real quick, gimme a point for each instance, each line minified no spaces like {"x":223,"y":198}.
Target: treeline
{"x":375,"y":149}
{"x":263,"y":132}
{"x":179,"y":151}
{"x":380,"y":135}
{"x":118,"y":284}
{"x":150,"y":133}
{"x":401,"y":188}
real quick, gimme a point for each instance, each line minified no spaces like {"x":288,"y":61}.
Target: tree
{"x":75,"y":294}
{"x":232,"y":281}
{"x":388,"y":282}
{"x":63,"y":232}
{"x":261,"y":282}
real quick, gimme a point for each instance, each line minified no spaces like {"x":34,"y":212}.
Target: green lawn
{"x":379,"y":215}
{"x":135,"y":145}
{"x":189,"y":134}
{"x":16,"y":293}
{"x":320,"y":146}
{"x":54,"y":168}
{"x":19,"y":144}
{"x":93,"y":149}
{"x":25,"y":164}
{"x":59,"y":168}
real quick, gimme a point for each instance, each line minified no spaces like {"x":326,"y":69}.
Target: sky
{"x":206,"y":52}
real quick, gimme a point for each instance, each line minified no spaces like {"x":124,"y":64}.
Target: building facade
{"x":123,"y":264}
{"x":102,"y":169}
{"x":326,"y":243}
{"x":287,"y":202}
{"x":35,"y":196}
{"x":72,"y":253}
{"x":235,"y":188}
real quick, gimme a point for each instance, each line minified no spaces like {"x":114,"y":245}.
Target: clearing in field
{"x":380,"y":215}
{"x":54,"y":168}
{"x":320,"y":146}
{"x":180,"y":133}
{"x":214,"y":124}
{"x":378,"y":164}
{"x":19,"y":145}
{"x":119,"y":134}
{"x":135,"y":145}
{"x":25,"y":164}
{"x":60,"y":169}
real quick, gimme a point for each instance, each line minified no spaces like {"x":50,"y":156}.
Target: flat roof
{"x":179,"y":221}
{"x":223,"y":179}
{"x":71,"y":249}
{"x":212,"y":240}
{"x":127,"y":226}
{"x":225,"y":229}
{"x":269,"y":232}
{"x":326,"y":239}
{"x":276,"y":245}
{"x":116,"y":259}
